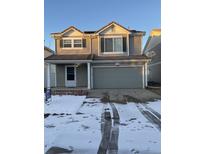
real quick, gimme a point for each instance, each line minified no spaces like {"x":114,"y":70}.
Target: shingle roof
{"x":70,"y":57}
{"x":120,"y":57}
{"x":48,"y":49}
{"x":93,"y":32}
{"x":94,"y":57}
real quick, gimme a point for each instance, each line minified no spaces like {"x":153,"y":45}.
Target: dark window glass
{"x":67,"y":45}
{"x":70,"y":73}
{"x":70,"y":77}
{"x":77,"y":45}
{"x":108,"y":44}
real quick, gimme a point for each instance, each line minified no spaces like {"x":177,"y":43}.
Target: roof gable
{"x":71,"y":31}
{"x":112,"y":28}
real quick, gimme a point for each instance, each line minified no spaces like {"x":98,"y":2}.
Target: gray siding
{"x":117,"y":77}
{"x":60,"y":75}
{"x":155,"y":73}
{"x":52,"y":75}
{"x":81,"y":75}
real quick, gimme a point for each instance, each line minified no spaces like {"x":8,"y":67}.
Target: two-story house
{"x":110,"y":57}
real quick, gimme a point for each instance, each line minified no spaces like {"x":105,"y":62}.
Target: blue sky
{"x":93,"y":14}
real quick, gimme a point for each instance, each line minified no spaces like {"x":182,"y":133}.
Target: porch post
{"x":143,"y":78}
{"x":146,"y":74}
{"x":48,"y":76}
{"x":88,"y":69}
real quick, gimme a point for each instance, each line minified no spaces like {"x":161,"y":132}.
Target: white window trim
{"x":74,"y":74}
{"x":72,"y":43}
{"x":113,"y":52}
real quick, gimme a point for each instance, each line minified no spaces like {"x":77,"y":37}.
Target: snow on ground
{"x":156,"y":105}
{"x":64,"y":104}
{"x":82,"y":131}
{"x":137,"y":134}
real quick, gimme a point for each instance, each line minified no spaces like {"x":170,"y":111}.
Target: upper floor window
{"x":73,"y":43}
{"x":67,"y":43}
{"x":78,"y":43}
{"x":113,"y":45}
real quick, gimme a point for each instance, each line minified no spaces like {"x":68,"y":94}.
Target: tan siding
{"x":85,"y":50}
{"x":135,"y":45}
{"x":95,"y":46}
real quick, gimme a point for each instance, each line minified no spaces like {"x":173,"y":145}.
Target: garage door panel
{"x":117,"y":77}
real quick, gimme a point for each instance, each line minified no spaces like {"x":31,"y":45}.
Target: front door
{"x":70,"y":72}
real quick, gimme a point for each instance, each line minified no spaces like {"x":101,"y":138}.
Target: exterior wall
{"x":61,"y":51}
{"x":154,"y":44}
{"x":95,"y":45}
{"x":52,"y":71}
{"x":135,"y":42}
{"x":135,"y":45}
{"x":52,"y":75}
{"x":60,"y":75}
{"x":81,"y":76}
{"x":155,"y":73}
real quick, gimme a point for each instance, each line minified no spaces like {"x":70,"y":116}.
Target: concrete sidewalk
{"x":124,"y":95}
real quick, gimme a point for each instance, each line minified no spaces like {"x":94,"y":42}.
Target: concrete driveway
{"x":124,"y":95}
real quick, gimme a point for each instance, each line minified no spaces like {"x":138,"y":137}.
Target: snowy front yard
{"x":79,"y":124}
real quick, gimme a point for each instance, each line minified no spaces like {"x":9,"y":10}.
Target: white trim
{"x":112,"y":61}
{"x":99,"y":45}
{"x":74,"y":74}
{"x":143,"y":82}
{"x":48,"y":76}
{"x":128,"y":44}
{"x":108,"y":66}
{"x":157,"y":63}
{"x":112,"y":36}
{"x":146,"y":74}
{"x":112,"y":24}
{"x":55,"y":77}
{"x":114,"y":52}
{"x":88,"y":73}
{"x":91,"y":77}
{"x":67,"y":61}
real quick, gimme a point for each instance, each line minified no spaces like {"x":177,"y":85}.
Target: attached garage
{"x":117,"y":77}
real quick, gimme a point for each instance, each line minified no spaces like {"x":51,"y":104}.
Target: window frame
{"x":72,"y":43}
{"x":67,"y":43}
{"x":113,"y":52}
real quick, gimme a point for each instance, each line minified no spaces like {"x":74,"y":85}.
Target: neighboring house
{"x":48,"y":52}
{"x":110,"y":57}
{"x":153,"y":50}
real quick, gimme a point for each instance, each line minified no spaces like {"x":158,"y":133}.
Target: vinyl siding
{"x":60,"y":75}
{"x":52,"y":75}
{"x":81,"y":75}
